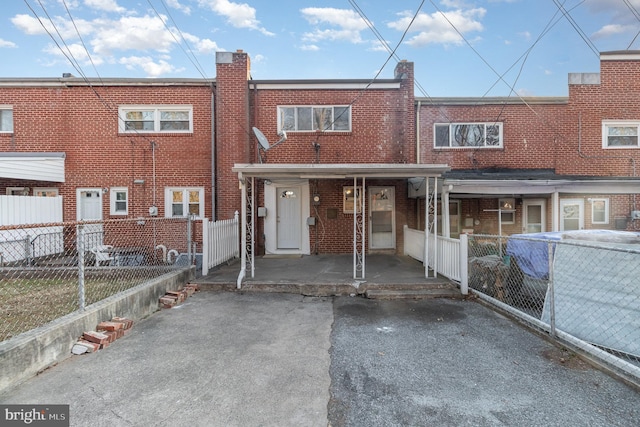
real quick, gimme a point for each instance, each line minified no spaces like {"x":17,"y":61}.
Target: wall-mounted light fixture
{"x":105,"y":190}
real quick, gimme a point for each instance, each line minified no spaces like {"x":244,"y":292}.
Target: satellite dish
{"x":264,"y":142}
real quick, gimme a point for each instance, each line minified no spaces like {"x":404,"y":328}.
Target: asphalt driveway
{"x":265,"y":359}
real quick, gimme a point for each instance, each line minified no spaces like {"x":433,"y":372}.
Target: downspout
{"x":418,"y":133}
{"x":213,"y":153}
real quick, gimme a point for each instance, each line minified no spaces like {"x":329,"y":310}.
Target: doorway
{"x":571,"y":214}
{"x":89,"y":208}
{"x":288,"y":218}
{"x":534,"y":216}
{"x":382,"y":218}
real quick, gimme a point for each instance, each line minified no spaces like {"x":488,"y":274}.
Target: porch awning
{"x":339,"y":170}
{"x":33,"y":166}
{"x":542,"y":186}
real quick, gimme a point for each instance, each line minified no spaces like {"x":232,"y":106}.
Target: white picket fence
{"x":451,"y":254}
{"x":24,"y":243}
{"x":220,"y":242}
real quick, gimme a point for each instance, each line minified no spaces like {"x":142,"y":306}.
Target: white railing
{"x":452,"y":254}
{"x":220,"y":242}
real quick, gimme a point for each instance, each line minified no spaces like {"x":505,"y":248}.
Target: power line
{"x":576,"y":27}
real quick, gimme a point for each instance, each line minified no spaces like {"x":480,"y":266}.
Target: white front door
{"x":89,"y":208}
{"x":382,"y":219}
{"x":571,"y":214}
{"x":288,"y":217}
{"x":534,"y":216}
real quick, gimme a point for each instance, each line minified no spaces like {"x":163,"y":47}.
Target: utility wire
{"x":576,"y":27}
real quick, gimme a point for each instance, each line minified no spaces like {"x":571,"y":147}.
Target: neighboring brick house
{"x":113,"y":148}
{"x":553,"y":164}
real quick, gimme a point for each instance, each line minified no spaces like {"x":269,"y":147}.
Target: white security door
{"x":534,"y":216}
{"x":289,"y":220}
{"x":89,"y":208}
{"x":382,"y":230}
{"x":571,"y":214}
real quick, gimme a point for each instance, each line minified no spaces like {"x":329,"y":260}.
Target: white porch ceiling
{"x":338,"y":170}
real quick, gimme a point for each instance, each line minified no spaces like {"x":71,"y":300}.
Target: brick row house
{"x":327,"y":166}
{"x":525,"y":165}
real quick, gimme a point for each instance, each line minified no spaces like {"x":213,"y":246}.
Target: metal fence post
{"x":552,"y":308}
{"x":464,"y":264}
{"x":190,"y":255}
{"x":80,"y":246}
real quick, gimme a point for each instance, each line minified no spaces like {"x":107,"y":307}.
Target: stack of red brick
{"x":105,"y":333}
{"x":173,"y":298}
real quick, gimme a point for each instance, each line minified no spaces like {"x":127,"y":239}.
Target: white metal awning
{"x":33,"y":166}
{"x":340,"y":170}
{"x":359,"y":172}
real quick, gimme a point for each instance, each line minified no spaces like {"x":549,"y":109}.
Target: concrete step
{"x":388,"y":294}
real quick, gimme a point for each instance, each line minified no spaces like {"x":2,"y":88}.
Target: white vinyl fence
{"x":26,"y":243}
{"x":451,"y":254}
{"x":220,"y":242}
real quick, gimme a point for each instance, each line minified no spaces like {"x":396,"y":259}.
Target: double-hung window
{"x":181,"y":202}
{"x":331,"y":118}
{"x":119,"y":201}
{"x":6,"y":119}
{"x":622,"y":134}
{"x":468,"y":135}
{"x":600,"y":211}
{"x":155,"y":119}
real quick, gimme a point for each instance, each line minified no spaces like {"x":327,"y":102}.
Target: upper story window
{"x":6,"y":119}
{"x":620,"y":134}
{"x":468,"y":135}
{"x":181,"y":201}
{"x":312,"y":118}
{"x":155,"y":118}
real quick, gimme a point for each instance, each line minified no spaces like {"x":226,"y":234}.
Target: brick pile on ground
{"x":105,"y":333}
{"x":173,"y":298}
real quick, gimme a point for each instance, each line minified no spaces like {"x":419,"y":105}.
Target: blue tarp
{"x":531,"y":251}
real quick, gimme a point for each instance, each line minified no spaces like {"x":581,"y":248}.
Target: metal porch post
{"x":359,"y":232}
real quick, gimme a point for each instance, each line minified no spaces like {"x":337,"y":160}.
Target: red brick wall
{"x":84,"y":125}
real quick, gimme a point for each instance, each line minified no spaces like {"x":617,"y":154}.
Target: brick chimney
{"x":232,"y":126}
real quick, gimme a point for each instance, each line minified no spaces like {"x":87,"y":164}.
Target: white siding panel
{"x":16,"y":210}
{"x":37,"y":168}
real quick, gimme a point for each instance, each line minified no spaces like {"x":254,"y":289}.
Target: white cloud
{"x":611,"y":30}
{"x":7,"y":43}
{"x":349,"y":24}
{"x":74,"y":51}
{"x":256,"y":59}
{"x":106,"y":5}
{"x":435,"y":29}
{"x":177,"y":5}
{"x":309,"y":47}
{"x":148,"y":65}
{"x":131,"y":33}
{"x":206,"y":46}
{"x":240,"y":15}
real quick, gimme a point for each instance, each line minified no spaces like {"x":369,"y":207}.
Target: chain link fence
{"x":50,"y":270}
{"x":581,"y":287}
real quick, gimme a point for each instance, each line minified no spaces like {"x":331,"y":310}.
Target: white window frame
{"x":508,"y":203}
{"x":168,"y":201}
{"x":314,"y":125}
{"x":594,"y":201}
{"x":113,"y":201}
{"x":156,"y":111}
{"x":45,"y":192}
{"x":606,"y":124}
{"x":451,"y":132}
{"x":17,"y":191}
{"x":6,"y":110}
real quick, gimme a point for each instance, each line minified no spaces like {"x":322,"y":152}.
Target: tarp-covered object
{"x":597,"y":294}
{"x":531,"y":250}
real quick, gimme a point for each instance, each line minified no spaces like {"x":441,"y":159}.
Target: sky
{"x":460,"y":48}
